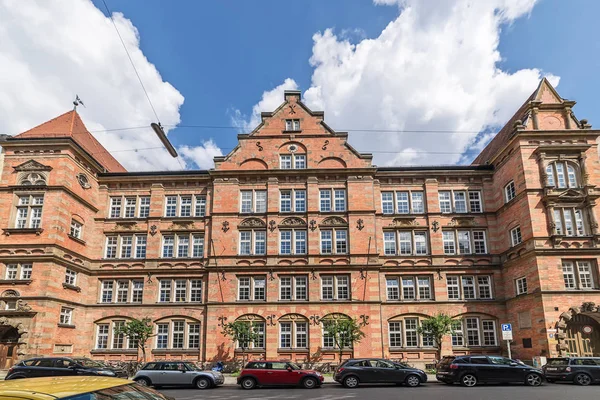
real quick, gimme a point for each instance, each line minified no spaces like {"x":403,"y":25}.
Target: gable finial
{"x":77,"y":102}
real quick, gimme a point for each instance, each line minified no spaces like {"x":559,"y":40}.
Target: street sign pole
{"x":508,"y":346}
{"x":508,"y":336}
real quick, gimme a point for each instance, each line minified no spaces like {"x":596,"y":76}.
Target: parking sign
{"x":507,"y":332}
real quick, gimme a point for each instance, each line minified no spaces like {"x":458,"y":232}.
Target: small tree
{"x":344,"y":332}
{"x":437,"y":327}
{"x":138,"y":331}
{"x":241,"y":333}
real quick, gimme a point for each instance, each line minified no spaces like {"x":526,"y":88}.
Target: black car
{"x":61,"y":366}
{"x":471,"y":370}
{"x":579,"y":370}
{"x":353,"y":372}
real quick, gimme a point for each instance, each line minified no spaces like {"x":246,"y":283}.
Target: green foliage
{"x":437,"y":327}
{"x":242,"y":333}
{"x":138,"y":331}
{"x":344,"y":332}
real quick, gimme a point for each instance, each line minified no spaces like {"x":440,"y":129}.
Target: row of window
{"x":294,"y":334}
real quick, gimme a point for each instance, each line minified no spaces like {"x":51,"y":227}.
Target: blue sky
{"x":459,"y":65}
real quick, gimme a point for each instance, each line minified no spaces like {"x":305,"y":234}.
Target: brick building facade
{"x":294,"y":226}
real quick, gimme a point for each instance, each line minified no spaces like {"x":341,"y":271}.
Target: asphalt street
{"x":430,"y":391}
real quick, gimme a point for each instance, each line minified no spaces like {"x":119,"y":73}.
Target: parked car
{"x":79,"y":387}
{"x":61,"y":366}
{"x":471,"y":370}
{"x":579,"y":370}
{"x":353,"y":372}
{"x":278,"y":373}
{"x":177,"y":373}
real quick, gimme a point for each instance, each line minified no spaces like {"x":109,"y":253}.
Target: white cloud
{"x":202,"y":155}
{"x":53,"y":49}
{"x":435,"y":67}
{"x":270,"y":101}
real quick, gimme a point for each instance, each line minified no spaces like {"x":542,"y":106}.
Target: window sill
{"x":76,"y":239}
{"x":71,"y":287}
{"x":15,"y":281}
{"x":336,"y":299}
{"x":260,"y":350}
{"x":183,"y":303}
{"x":175,"y":351}
{"x":252,"y":301}
{"x":468,"y":254}
{"x":68,"y":326}
{"x":114,"y":351}
{"x":22,"y":231}
{"x":410,"y":300}
{"x":292,"y":350}
{"x":118,"y":304}
{"x":413,"y":348}
{"x":464,"y":348}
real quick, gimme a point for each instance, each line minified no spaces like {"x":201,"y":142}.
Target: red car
{"x":278,"y":373}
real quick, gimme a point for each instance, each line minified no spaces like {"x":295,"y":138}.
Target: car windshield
{"x":294,"y":366}
{"x":125,"y":392}
{"x":558,"y":361}
{"x":192,"y":366}
{"x":86,"y":362}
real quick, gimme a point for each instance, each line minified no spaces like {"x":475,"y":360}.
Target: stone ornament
{"x":561,"y":326}
{"x":83,"y":181}
{"x":292,"y":222}
{"x":334,"y":221}
{"x":248,"y":223}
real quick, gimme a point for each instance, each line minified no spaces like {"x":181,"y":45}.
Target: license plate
{"x":551,"y":369}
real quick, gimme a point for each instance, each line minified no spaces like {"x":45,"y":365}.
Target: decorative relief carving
{"x":260,"y":148}
{"x":181,"y":225}
{"x":33,"y":179}
{"x":334,"y":221}
{"x":249,"y":223}
{"x":325,"y":145}
{"x":292,"y":222}
{"x":400,"y":222}
{"x":463,"y":221}
{"x":32,"y":165}
{"x":10,"y":293}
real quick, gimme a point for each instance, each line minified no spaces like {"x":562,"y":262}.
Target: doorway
{"x":583,"y":336}
{"x":9,"y":340}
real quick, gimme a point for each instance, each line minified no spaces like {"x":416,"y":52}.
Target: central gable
{"x":293,"y":135}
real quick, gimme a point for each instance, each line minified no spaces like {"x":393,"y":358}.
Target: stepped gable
{"x":70,"y":125}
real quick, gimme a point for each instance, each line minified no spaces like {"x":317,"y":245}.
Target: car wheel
{"x":412,"y":381}
{"x":582,"y":379}
{"x":468,"y":380}
{"x":309,"y":383}
{"x":202,"y":383}
{"x":248,"y":383}
{"x":351,"y":381}
{"x":143,"y":381}
{"x":533,"y":380}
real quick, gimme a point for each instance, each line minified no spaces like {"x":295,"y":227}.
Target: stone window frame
{"x":467,"y":199}
{"x":422,"y":342}
{"x":123,"y":206}
{"x":256,"y":321}
{"x":460,"y":337}
{"x":119,"y":245}
{"x":333,"y":205}
{"x":552,"y":175}
{"x":23,"y":271}
{"x":66,"y":316}
{"x":521,"y":286}
{"x":472,"y":241}
{"x":171,"y":322}
{"x":416,"y":286}
{"x":516,"y":236}
{"x":334,"y":240}
{"x":293,"y":200}
{"x":115,"y":290}
{"x":70,"y":277}
{"x":292,"y":125}
{"x":579,"y":226}
{"x":477,"y":285}
{"x":576,"y":273}
{"x":189,"y":289}
{"x":191,"y":246}
{"x":510,"y":191}
{"x":253,"y":242}
{"x":111,"y":338}
{"x":293,"y":241}
{"x":76,"y":227}
{"x":30,"y":195}
{"x":252,"y":287}
{"x":294,"y":333}
{"x":413,"y":244}
{"x":410,"y":202}
{"x":336,"y":286}
{"x":254,"y":201}
{"x":325,"y":337}
{"x":197,"y":205}
{"x":293,"y":287}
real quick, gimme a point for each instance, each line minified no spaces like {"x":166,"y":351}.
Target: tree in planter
{"x":138,"y":331}
{"x":343,"y":331}
{"x":242,"y":334}
{"x":437,"y":327}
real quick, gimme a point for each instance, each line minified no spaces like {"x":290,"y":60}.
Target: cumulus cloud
{"x":434,"y":68}
{"x":53,"y":49}
{"x":202,"y":155}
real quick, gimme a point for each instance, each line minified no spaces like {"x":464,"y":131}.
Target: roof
{"x":56,"y":387}
{"x":70,"y":125}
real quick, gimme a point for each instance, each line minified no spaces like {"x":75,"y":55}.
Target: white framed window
{"x":339,"y":200}
{"x":510,"y":192}
{"x":66,"y":316}
{"x":387,"y":202}
{"x":406,"y":202}
{"x":393,"y":288}
{"x":292,"y":161}
{"x":445,"y":202}
{"x":292,"y":241}
{"x":409,"y":288}
{"x":125,"y":246}
{"x":253,"y":201}
{"x":184,"y":205}
{"x":29,"y":211}
{"x":457,"y":333}
{"x":258,"y":327}
{"x":129,"y":207}
{"x":178,"y":245}
{"x":469,"y":287}
{"x":448,"y":241}
{"x":521,"y":285}
{"x":177,"y":334}
{"x":292,"y":200}
{"x":252,"y":288}
{"x":569,"y":221}
{"x":180,"y":290}
{"x":335,"y":287}
{"x":515,"y":236}
{"x":292,"y":125}
{"x":121,"y":291}
{"x":293,"y":287}
{"x":70,"y":277}
{"x":200,"y":205}
{"x":578,"y":275}
{"x":293,"y":334}
{"x":334,"y":241}
{"x":404,"y":333}
{"x":144,"y":207}
{"x":76,"y":229}
{"x":460,"y":201}
{"x":395,"y":333}
{"x":102,"y":336}
{"x":474,"y":332}
{"x":489,"y":332}
{"x":115,"y":207}
{"x":18,"y":271}
{"x":252,"y":242}
{"x":563,"y":174}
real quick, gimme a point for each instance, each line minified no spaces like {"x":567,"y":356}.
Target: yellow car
{"x":76,"y":388}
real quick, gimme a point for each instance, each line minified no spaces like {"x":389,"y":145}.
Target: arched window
{"x":474,"y":331}
{"x":178,"y":333}
{"x":332,"y":340}
{"x":403,"y":331}
{"x":107,"y":339}
{"x":563,"y":174}
{"x":293,"y":332}
{"x":258,"y":327}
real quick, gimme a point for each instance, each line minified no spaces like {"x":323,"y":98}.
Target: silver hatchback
{"x":177,"y":373}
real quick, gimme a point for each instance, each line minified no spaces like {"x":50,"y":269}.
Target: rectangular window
{"x":180,"y":290}
{"x":301,"y":335}
{"x":26,"y":270}
{"x":448,"y":240}
{"x":335,"y":287}
{"x":389,"y":243}
{"x":285,"y":288}
{"x":183,"y":246}
{"x":395,"y":334}
{"x":343,"y":287}
{"x":402,"y":202}
{"x":521,"y":285}
{"x":578,"y":275}
{"x":285,"y":335}
{"x":410,"y":329}
{"x":246,"y":201}
{"x":126,"y":246}
{"x":475,"y":202}
{"x":393,"y":289}
{"x":445,"y":202}
{"x":259,"y":242}
{"x":479,"y":243}
{"x":464,"y":242}
{"x":11,"y":272}
{"x":408,"y":288}
{"x":115,"y":207}
{"x":168,"y":246}
{"x":140,"y":246}
{"x":405,"y":242}
{"x":29,"y":211}
{"x":510,"y":192}
{"x":457,"y":334}
{"x":200,"y":206}
{"x":137,"y":291}
{"x":144,"y":208}
{"x":171,"y":206}
{"x":244,"y":288}
{"x":65,"y":316}
{"x":259,"y":288}
{"x":425,"y":292}
{"x":118,"y":339}
{"x":325,"y":200}
{"x":453,"y":286}
{"x":198,"y":246}
{"x":300,"y":242}
{"x":285,"y":201}
{"x":300,"y":200}
{"x":102,"y":337}
{"x":569,"y":222}
{"x":340,"y":200}
{"x":76,"y":228}
{"x":165,"y":291}
{"x":417,"y":202}
{"x":193,"y":336}
{"x":245,"y":242}
{"x":299,"y":161}
{"x":122,"y":291}
{"x":185,"y":206}
{"x":468,"y":287}
{"x":106,"y":295}
{"x":484,"y":287}
{"x":251,"y":288}
{"x":178,"y":334}
{"x":111,"y":247}
{"x":253,"y":201}
{"x":260,"y":200}
{"x":292,"y":124}
{"x":472,"y":327}
{"x":387,"y":202}
{"x":460,"y":202}
{"x":195,"y":290}
{"x":341,"y":241}
{"x":515,"y":236}
{"x":301,"y":287}
{"x":285,"y":242}
{"x":420,"y":243}
{"x":130,"y":203}
{"x":326,"y":242}
{"x":162,"y":336}
{"x":285,"y":162}
{"x":71,"y":277}
{"x":489,"y":332}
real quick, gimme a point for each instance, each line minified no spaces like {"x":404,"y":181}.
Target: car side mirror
{"x":289,"y":369}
